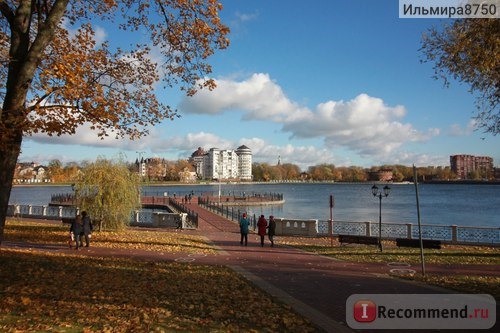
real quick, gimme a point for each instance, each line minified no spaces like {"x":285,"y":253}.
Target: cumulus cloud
{"x":365,"y":125}
{"x":259,"y":97}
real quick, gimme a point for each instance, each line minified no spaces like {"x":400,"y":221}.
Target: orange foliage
{"x":79,"y":81}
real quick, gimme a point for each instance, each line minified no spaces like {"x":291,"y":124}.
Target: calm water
{"x":466,"y":205}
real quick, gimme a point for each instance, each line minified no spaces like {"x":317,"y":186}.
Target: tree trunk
{"x":25,"y":56}
{"x":8,"y":159}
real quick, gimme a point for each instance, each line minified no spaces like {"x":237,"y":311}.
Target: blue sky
{"x":322,"y":81}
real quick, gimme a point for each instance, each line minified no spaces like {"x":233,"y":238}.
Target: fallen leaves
{"x":43,"y":291}
{"x":139,"y":239}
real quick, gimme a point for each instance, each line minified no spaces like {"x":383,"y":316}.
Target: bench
{"x":350,"y":239}
{"x":427,"y":243}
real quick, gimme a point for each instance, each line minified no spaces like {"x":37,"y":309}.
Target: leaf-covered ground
{"x":65,"y":292}
{"x":143,"y":239}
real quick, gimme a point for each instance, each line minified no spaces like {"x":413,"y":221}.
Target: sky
{"x":307,"y":82}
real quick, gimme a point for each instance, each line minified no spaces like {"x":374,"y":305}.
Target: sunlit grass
{"x":448,"y":255}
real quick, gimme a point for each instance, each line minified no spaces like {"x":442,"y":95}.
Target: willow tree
{"x":468,"y":50}
{"x":109,"y":192}
{"x":56,"y":76}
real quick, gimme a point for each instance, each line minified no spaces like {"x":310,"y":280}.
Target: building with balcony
{"x":472,"y":167}
{"x":218,"y":164}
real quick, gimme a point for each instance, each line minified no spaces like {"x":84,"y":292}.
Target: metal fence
{"x":447,"y":233}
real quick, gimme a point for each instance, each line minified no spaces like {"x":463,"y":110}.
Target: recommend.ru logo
{"x":426,"y":311}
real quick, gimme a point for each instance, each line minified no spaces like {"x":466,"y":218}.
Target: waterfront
{"x":441,"y":204}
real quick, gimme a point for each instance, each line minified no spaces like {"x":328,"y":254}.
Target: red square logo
{"x":365,"y":311}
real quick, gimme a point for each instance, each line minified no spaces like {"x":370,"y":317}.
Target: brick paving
{"x":315,"y":286}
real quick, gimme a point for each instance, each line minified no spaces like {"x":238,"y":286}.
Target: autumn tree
{"x":468,"y":50}
{"x":56,"y":76}
{"x":109,"y":192}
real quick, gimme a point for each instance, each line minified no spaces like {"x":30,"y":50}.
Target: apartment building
{"x":223,"y":163}
{"x":469,"y":166}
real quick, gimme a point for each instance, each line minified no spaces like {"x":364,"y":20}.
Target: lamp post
{"x":380,"y":194}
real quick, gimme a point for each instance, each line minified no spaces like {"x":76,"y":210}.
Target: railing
{"x":452,"y":234}
{"x":227,"y":211}
{"x":192,"y":216}
{"x":145,"y":217}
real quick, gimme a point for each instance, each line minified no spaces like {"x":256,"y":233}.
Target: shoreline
{"x":166,"y":184}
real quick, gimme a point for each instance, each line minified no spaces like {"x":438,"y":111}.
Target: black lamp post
{"x":380,"y":194}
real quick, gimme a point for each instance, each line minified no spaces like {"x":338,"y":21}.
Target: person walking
{"x":76,"y":227}
{"x":262,"y":225}
{"x":244,"y":224}
{"x":271,"y":229}
{"x":86,"y":228}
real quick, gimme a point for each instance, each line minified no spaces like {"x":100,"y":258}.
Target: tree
{"x":469,"y":51}
{"x":56,"y":77}
{"x":109,"y":192}
{"x":55,"y":170}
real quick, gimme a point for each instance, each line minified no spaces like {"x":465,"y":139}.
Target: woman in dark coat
{"x":76,"y":228}
{"x":271,"y":229}
{"x":262,"y":225}
{"x":86,"y":228}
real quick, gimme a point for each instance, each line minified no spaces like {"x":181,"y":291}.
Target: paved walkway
{"x":317,"y":287}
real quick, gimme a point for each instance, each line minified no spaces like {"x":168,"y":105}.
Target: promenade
{"x":315,"y":286}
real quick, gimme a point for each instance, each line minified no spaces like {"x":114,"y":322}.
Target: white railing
{"x":453,"y":234}
{"x":141,"y":217}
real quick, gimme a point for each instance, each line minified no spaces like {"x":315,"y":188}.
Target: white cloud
{"x":259,"y":98}
{"x":364,"y":125}
{"x":457,"y":130}
{"x":364,"y":128}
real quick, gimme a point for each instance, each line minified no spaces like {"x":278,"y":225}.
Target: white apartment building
{"x":224,"y":164}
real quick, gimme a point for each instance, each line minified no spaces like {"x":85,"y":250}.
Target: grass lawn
{"x":65,"y":292}
{"x":448,"y":255}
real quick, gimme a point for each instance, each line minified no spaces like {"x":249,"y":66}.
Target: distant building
{"x":31,"y":173}
{"x":472,"y":167}
{"x":496,"y":173}
{"x":141,"y":167}
{"x":223,"y":164}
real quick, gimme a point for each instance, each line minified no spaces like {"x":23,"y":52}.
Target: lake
{"x":441,"y":204}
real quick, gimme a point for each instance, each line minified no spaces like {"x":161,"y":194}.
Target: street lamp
{"x":380,"y":194}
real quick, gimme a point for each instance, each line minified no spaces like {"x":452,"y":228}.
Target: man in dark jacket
{"x":86,"y":228}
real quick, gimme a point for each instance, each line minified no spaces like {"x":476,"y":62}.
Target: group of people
{"x":81,"y":228}
{"x":263,"y":228}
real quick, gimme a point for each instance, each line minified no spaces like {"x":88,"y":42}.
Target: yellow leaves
{"x":119,"y":295}
{"x":25,"y":300}
{"x":132,"y":295}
